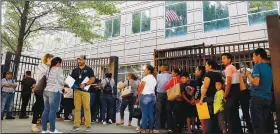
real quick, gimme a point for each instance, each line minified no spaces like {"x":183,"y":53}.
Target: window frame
{"x":165,"y":5}
{"x":112,"y":19}
{"x":212,"y":20}
{"x":247,"y":5}
{"x":141,"y":13}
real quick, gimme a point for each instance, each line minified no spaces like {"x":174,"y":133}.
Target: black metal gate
{"x":27,"y":63}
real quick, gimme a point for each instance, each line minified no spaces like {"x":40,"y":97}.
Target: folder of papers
{"x":202,"y":110}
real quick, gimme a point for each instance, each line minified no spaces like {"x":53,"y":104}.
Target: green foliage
{"x":53,"y":16}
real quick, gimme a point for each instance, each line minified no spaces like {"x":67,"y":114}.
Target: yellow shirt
{"x":218,"y":101}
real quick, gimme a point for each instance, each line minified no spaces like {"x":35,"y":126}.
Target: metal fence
{"x":187,"y":58}
{"x":27,"y":63}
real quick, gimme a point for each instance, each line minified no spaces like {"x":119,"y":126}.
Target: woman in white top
{"x":52,"y":94}
{"x":147,"y":98}
{"x":38,"y":106}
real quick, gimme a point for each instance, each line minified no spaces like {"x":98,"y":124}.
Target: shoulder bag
{"x":174,"y":92}
{"x":126,"y":91}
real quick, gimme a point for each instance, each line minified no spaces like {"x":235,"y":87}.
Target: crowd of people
{"x":224,"y":93}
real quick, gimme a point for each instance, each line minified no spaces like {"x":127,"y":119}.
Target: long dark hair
{"x":202,"y":69}
{"x":152,"y":70}
{"x":108,"y":75}
{"x":55,"y":61}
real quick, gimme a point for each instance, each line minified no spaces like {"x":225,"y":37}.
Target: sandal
{"x":142,"y":131}
{"x":121,"y":122}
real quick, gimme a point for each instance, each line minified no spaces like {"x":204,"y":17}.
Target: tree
{"x":25,"y":19}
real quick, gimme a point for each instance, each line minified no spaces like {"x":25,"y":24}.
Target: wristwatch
{"x":85,"y":84}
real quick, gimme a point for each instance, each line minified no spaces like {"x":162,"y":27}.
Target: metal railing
{"x":27,"y":63}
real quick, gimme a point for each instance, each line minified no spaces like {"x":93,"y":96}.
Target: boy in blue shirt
{"x":261,"y":79}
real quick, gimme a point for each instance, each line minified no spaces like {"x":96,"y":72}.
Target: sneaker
{"x":75,"y":129}
{"x":45,"y":132}
{"x":110,"y":121}
{"x":55,"y":131}
{"x":88,"y":129}
{"x":10,"y":118}
{"x":104,"y":122}
{"x":66,"y":119}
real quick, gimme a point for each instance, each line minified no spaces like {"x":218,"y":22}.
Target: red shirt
{"x":172,"y":82}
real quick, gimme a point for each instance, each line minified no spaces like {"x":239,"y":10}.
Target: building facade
{"x":143,"y":26}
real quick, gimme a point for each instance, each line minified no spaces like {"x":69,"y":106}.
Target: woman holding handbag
{"x":128,"y":94}
{"x":170,"y":106}
{"x":147,"y":98}
{"x":38,"y":106}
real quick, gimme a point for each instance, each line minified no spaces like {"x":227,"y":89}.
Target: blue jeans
{"x":107,"y":101}
{"x":51,"y":103}
{"x":92,"y":98}
{"x":260,"y":109}
{"x":147,"y":103}
{"x":7,"y":103}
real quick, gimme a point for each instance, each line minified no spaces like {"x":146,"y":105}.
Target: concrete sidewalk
{"x":23,"y":126}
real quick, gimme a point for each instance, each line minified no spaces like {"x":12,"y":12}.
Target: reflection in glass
{"x":176,"y":31}
{"x":136,"y":22}
{"x":146,"y":21}
{"x":258,"y":10}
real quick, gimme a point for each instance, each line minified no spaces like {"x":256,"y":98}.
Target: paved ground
{"x":23,"y":126}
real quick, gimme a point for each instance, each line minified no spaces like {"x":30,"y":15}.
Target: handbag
{"x":174,"y":92}
{"x":126,"y":91}
{"x":137,"y":113}
{"x":39,"y":89}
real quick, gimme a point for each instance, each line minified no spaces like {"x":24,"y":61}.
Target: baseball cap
{"x":82,"y":57}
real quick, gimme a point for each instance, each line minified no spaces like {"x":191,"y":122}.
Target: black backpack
{"x":108,"y":88}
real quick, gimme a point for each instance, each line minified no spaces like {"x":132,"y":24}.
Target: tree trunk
{"x":23,"y":22}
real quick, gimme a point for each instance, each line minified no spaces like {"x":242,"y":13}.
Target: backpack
{"x":108,"y":88}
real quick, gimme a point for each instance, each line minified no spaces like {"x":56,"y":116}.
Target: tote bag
{"x":174,"y":92}
{"x":126,"y":91}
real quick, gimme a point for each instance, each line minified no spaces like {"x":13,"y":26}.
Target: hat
{"x":82,"y":57}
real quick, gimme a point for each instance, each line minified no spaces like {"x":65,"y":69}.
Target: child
{"x":219,"y":105}
{"x":188,"y":93}
{"x":69,"y":103}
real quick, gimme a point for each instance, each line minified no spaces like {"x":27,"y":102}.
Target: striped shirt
{"x":55,"y":80}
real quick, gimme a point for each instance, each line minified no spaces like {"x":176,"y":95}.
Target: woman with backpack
{"x":107,"y":98}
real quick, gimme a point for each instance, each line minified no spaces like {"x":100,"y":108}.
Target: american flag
{"x":171,"y":15}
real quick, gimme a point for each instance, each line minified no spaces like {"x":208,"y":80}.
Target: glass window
{"x":175,"y":19}
{"x":258,"y":10}
{"x":141,"y":21}
{"x":112,"y":27}
{"x":215,"y":15}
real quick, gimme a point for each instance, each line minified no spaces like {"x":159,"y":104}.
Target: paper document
{"x":70,"y":81}
{"x":85,"y":81}
{"x":202,"y":110}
